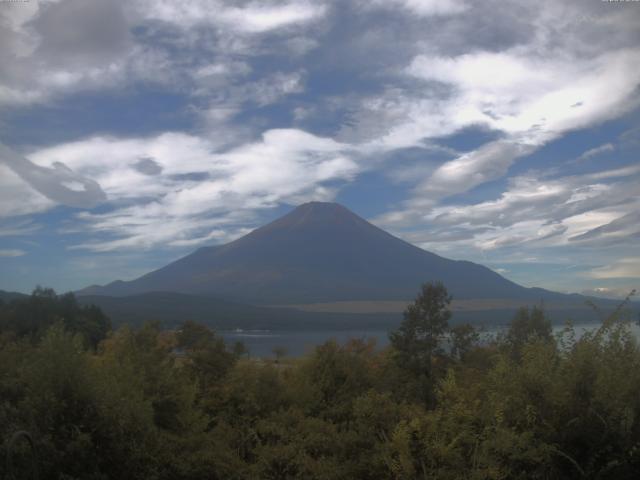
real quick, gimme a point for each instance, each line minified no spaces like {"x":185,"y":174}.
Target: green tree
{"x":193,"y":335}
{"x":422,"y":330}
{"x":240,"y":349}
{"x":527,"y":325}
{"x":462,"y":338}
{"x":327,"y":382}
{"x":279,"y":352}
{"x":32,"y":316}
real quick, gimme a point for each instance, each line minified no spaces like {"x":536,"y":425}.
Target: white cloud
{"x":534,"y":99}
{"x":17,"y":197}
{"x":423,"y":8}
{"x":520,"y":233}
{"x":50,"y":47}
{"x":255,"y":17}
{"x":265,"y":91}
{"x":594,"y":152}
{"x":18,"y":227}
{"x":57,"y":48}
{"x":530,"y":99}
{"x":622,"y":229}
{"x":12,"y":253}
{"x":258,"y":18}
{"x":576,"y":211}
{"x":608,"y":292}
{"x":189,"y":197}
{"x":622,"y":268}
{"x":58,"y":183}
{"x":408,"y":73}
{"x":479,"y":166}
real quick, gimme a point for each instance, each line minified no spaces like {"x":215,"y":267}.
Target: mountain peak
{"x":322,"y":208}
{"x":314,"y":215}
{"x":318,"y":252}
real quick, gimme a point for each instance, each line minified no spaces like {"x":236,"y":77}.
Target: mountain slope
{"x":319,"y":252}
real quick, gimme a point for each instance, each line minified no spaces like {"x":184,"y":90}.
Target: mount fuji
{"x":318,"y":253}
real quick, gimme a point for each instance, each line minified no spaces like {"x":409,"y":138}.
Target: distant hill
{"x":8,"y":296}
{"x":171,"y":309}
{"x":321,"y":252}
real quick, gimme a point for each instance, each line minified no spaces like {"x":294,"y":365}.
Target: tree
{"x":462,"y":337}
{"x":528,"y":324}
{"x":192,"y":335}
{"x":31,"y":316}
{"x":424,"y":325}
{"x":240,"y":349}
{"x":207,"y":357}
{"x":280,"y":352}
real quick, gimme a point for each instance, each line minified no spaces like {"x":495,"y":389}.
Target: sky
{"x":505,"y":133}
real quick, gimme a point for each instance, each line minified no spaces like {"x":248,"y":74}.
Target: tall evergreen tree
{"x":425,"y":323}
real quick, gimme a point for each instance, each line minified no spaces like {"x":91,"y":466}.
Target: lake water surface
{"x":261,"y":343}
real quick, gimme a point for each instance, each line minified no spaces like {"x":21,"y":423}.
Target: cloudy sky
{"x":507,"y":133}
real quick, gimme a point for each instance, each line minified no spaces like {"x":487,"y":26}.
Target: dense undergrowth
{"x":154,"y":404}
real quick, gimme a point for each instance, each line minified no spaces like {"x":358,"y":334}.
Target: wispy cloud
{"x":594,"y":152}
{"x":195,"y":189}
{"x":422,"y":8}
{"x":252,"y":18}
{"x":624,"y":229}
{"x":12,"y":253}
{"x":582,"y":210}
{"x":14,"y":228}
{"x":58,"y":183}
{"x":622,"y":268}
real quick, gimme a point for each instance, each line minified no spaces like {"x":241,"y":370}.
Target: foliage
{"x":152,"y":404}
{"x":420,"y":335}
{"x":30,"y":318}
{"x":463,"y":338}
{"x":527,"y":325}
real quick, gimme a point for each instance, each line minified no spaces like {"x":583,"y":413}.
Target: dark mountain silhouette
{"x":9,"y":296}
{"x":320,"y":252}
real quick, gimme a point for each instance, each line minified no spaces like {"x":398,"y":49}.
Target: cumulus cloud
{"x":55,"y":48}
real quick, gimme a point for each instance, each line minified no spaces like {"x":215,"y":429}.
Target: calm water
{"x":262,"y":342}
{"x":296,"y":343}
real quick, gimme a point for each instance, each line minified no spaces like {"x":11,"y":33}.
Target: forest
{"x":81,"y":400}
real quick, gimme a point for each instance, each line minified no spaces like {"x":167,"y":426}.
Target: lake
{"x":297,"y":342}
